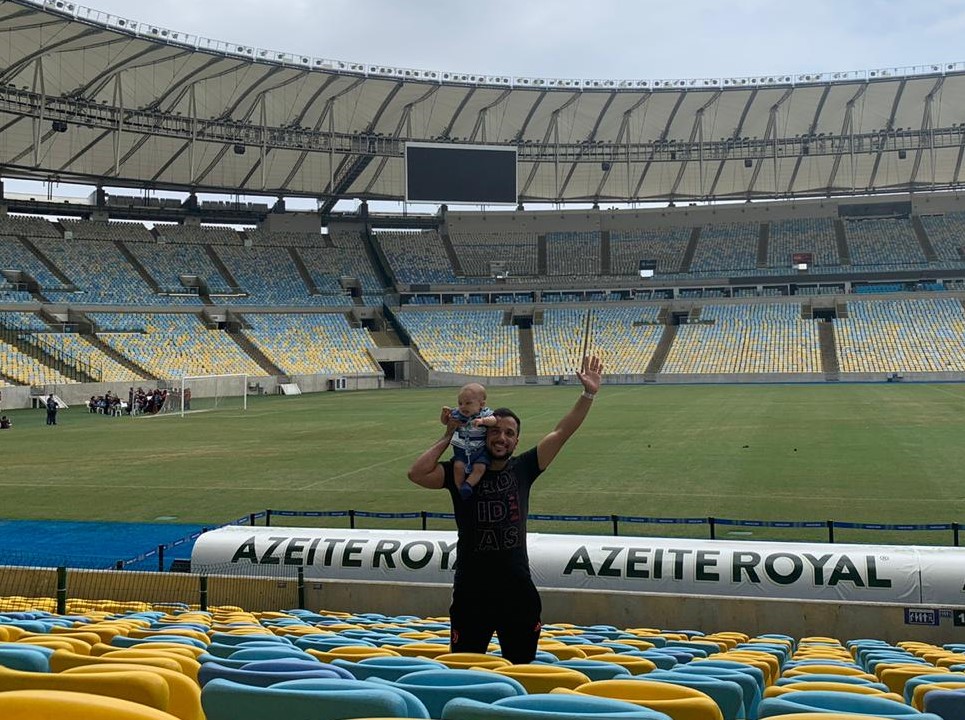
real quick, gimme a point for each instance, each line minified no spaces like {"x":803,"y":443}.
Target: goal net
{"x":211,"y":392}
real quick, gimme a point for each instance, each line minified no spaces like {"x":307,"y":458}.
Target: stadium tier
{"x":902,"y":336}
{"x":546,"y":280}
{"x":135,"y":661}
{"x":310,"y":344}
{"x":417,"y":257}
{"x":170,"y":346}
{"x":573,"y":254}
{"x":890,"y":242}
{"x":804,"y":235}
{"x":665,"y":246}
{"x":473,"y":343}
{"x":477,"y":251}
{"x":746,"y":339}
{"x":166,"y":263}
{"x":727,"y":247}
{"x":947,"y":235}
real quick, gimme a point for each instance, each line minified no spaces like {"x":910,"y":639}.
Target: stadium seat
{"x":677,"y":701}
{"x":26,"y":659}
{"x":595,"y":669}
{"x":549,"y":707}
{"x":226,"y":700}
{"x":835,"y":702}
{"x":946,"y":704}
{"x":386,"y":668}
{"x":37,"y":704}
{"x":142,"y":687}
{"x":435,"y":688}
{"x":183,"y":692}
{"x":543,"y":678}
{"x":728,"y":695}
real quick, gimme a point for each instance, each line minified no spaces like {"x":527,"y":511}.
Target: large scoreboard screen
{"x":448,"y":173}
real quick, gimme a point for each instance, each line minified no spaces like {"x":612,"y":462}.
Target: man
{"x":51,"y":410}
{"x":493,"y":590}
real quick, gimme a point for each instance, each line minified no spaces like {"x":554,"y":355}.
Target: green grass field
{"x":862,"y":453}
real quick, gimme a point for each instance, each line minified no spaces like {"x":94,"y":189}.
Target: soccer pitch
{"x":887,"y":453}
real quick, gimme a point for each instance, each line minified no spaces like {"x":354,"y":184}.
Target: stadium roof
{"x":91,"y":97}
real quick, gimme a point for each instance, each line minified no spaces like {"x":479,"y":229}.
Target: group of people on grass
{"x":139,"y":402}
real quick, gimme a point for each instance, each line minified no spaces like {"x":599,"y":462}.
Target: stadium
{"x":271,"y":271}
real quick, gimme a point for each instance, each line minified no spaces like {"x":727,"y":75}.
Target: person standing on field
{"x":493,"y":591}
{"x":51,"y":410}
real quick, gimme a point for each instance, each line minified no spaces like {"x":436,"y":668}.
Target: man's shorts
{"x":469,"y":459}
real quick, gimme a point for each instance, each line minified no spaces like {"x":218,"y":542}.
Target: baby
{"x":469,"y":439}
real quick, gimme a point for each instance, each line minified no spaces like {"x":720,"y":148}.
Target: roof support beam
{"x":814,"y":124}
{"x":770,"y":133}
{"x":847,"y":129}
{"x":696,"y":132}
{"x":458,"y":112}
{"x":589,"y":138}
{"x":193,"y":117}
{"x":623,"y":137}
{"x":889,"y":128}
{"x":118,"y":132}
{"x":25,"y":61}
{"x":480,"y":127}
{"x":404,"y":124}
{"x":552,"y":131}
{"x":662,"y":139}
{"x":736,"y":135}
{"x":927,"y":135}
{"x":39,"y":87}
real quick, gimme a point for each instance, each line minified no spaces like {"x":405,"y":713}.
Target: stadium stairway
{"x":763,"y":240}
{"x":138,"y":266}
{"x":924,"y":240}
{"x":527,"y":355}
{"x":134,"y":367}
{"x":660,"y":354}
{"x":221,"y":267}
{"x":252,"y":351}
{"x":451,"y":252}
{"x":691,"y":250}
{"x":841,"y":238}
{"x":605,"y":252}
{"x":541,"y":263}
{"x":829,"y":352}
{"x":303,"y":271}
{"x":47,"y":355}
{"x":56,"y":271}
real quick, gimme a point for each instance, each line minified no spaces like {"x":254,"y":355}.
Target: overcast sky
{"x":611,"y":39}
{"x":633,"y":39}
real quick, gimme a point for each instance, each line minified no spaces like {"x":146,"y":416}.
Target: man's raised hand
{"x":590,"y":374}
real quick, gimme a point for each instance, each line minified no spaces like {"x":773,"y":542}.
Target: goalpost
{"x":212,"y":392}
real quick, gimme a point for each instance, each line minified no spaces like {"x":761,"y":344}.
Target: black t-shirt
{"x":492,"y":523}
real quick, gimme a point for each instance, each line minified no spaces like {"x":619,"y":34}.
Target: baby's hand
{"x":485,"y":422}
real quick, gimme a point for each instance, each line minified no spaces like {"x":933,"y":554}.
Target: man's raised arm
{"x":426,"y":470}
{"x":590,"y":376}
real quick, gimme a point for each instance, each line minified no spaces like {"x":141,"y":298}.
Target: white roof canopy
{"x":95,"y":98}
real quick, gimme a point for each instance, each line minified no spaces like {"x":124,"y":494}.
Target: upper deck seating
{"x":889,"y":241}
{"x":476,"y":250}
{"x":665,"y":245}
{"x":417,"y":257}
{"x":573,"y":254}
{"x":802,"y":235}
{"x":726,"y":247}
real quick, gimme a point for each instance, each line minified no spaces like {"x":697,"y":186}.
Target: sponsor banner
{"x":943,"y":575}
{"x":858,"y":573}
